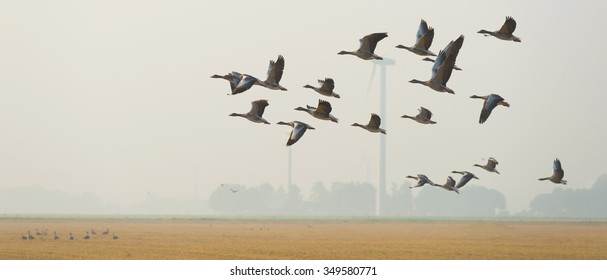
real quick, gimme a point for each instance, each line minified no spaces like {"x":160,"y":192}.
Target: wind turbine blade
{"x":370,"y":81}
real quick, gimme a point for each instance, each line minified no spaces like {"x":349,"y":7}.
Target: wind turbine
{"x":381,"y":186}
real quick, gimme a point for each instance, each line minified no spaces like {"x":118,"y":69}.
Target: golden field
{"x":309,"y":239}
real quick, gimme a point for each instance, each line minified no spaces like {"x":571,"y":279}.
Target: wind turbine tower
{"x":381,"y":186}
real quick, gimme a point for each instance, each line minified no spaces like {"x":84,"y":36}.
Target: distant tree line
{"x":572,"y":203}
{"x":356,"y":199}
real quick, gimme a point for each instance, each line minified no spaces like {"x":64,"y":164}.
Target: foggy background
{"x":107,"y":107}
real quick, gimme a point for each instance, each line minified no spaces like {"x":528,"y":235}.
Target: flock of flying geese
{"x":29,"y":236}
{"x":443,"y":66}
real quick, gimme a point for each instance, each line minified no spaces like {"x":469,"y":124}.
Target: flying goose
{"x":245,"y":82}
{"x":557,"y":175}
{"x":299,"y":128}
{"x":505,"y":33}
{"x":425,"y":35}
{"x":326,"y":87}
{"x":455,"y":67}
{"x":233,"y":190}
{"x":233,"y":78}
{"x":490,"y":166}
{"x":256,"y":112}
{"x":441,"y":72}
{"x":449,"y":185}
{"x":421,"y":180}
{"x":323,"y":111}
{"x":452,"y":49}
{"x":491,"y":101}
{"x":467,"y":177}
{"x":367,"y":46}
{"x":373,"y":125}
{"x":424,"y":116}
{"x":275,"y":74}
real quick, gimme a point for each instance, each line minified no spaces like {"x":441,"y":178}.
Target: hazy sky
{"x":114,"y":97}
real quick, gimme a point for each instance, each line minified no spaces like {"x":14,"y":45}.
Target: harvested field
{"x":309,"y":239}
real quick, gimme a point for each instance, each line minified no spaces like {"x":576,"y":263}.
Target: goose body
{"x":233,"y":78}
{"x":424,"y":116}
{"x":114,"y":236}
{"x":455,"y":67}
{"x":55,"y":237}
{"x":452,"y":49}
{"x":367,"y":47}
{"x":299,"y":128}
{"x":505,"y":33}
{"x":326,"y":87}
{"x":373,"y":125}
{"x":442,"y":68}
{"x":30,"y":236}
{"x":491,"y":101}
{"x":322,"y":112}
{"x":72,"y":236}
{"x":449,"y":185}
{"x":421,"y":180}
{"x":557,"y":174}
{"x":256,"y":112}
{"x":106,"y":231}
{"x":86,"y":236}
{"x":275,"y":74}
{"x":467,"y":176}
{"x":424,"y":38}
{"x":490,"y":166}
{"x":245,"y":82}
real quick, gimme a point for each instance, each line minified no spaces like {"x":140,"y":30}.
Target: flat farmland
{"x":304,"y":239}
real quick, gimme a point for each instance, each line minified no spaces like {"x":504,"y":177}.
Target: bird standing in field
{"x":491,"y":101}
{"x":465,"y":179}
{"x":322,"y":112}
{"x":490,"y":166}
{"x":557,"y":174}
{"x":424,"y":36}
{"x":299,"y":128}
{"x":424,"y":116}
{"x":449,"y":185}
{"x":421,"y":180}
{"x":275,"y":74}
{"x":367,"y":47}
{"x":373,"y":125}
{"x":505,"y":33}
{"x":326,"y":87}
{"x":256,"y":112}
{"x":442,"y":68}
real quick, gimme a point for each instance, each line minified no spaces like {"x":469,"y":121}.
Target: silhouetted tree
{"x":473,"y":201}
{"x":399,"y":202}
{"x":565,"y":202}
